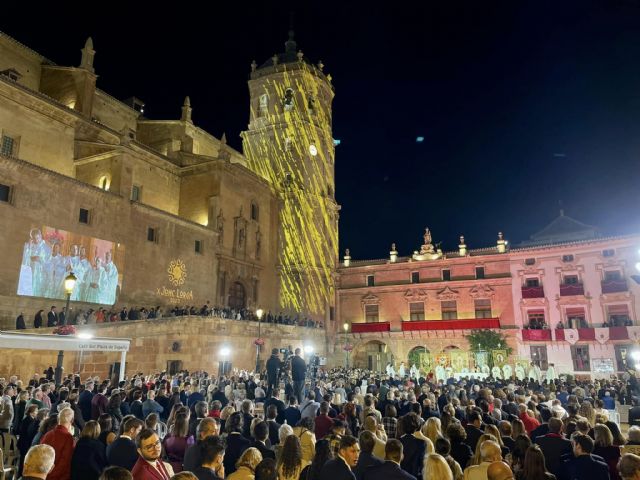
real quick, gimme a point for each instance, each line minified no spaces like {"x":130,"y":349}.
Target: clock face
{"x":313,"y":150}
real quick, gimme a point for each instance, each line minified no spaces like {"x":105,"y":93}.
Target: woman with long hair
{"x":176,"y":443}
{"x":606,"y":449}
{"x":460,"y":451}
{"x":304,"y":431}
{"x":89,"y":456}
{"x":521,"y":444}
{"x":517,"y":428}
{"x":493,"y":430}
{"x":432,"y":429}
{"x":106,"y":429}
{"x":246,"y":465}
{"x":290,"y":463}
{"x":534,"y":467}
{"x":322,"y":456}
{"x":113,"y":409}
{"x":587,"y":411}
{"x":436,"y":468}
{"x":618,"y":437}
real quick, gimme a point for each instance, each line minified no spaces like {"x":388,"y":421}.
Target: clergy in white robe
{"x":506,"y":370}
{"x":519,"y":372}
{"x":440,"y":373}
{"x":551,"y":373}
{"x":402,"y":370}
{"x":496,"y":372}
{"x":414,"y":371}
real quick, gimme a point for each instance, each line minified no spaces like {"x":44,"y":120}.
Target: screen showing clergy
{"x":50,"y":254}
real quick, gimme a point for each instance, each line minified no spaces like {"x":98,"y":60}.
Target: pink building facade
{"x":565,"y":297}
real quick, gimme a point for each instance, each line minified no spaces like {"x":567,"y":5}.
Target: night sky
{"x":522,"y":105}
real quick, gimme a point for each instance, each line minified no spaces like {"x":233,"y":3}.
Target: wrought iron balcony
{"x":533,"y":292}
{"x":463,"y":324}
{"x":568,"y":289}
{"x":613,"y":286}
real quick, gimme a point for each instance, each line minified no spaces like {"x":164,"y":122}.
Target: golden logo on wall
{"x":177,"y":272}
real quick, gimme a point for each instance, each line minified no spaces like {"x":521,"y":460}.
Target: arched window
{"x":237,"y":297}
{"x":288,"y":102}
{"x":104,"y":182}
{"x":263,"y":106}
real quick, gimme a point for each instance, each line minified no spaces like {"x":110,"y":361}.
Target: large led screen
{"x":50,"y":254}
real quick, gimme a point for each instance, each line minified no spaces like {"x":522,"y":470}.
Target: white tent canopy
{"x":73,"y":343}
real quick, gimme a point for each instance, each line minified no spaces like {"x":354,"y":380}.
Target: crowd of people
{"x":55,"y":317}
{"x":338,"y":424}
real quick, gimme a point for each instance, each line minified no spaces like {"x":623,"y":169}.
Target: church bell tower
{"x":289,"y":143}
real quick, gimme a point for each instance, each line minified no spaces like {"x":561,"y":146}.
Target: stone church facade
{"x":185,"y":218}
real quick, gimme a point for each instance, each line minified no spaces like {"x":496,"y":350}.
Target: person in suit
{"x":390,"y":468}
{"x":20,"y":324}
{"x":212,"y":467}
{"x":122,"y":452}
{"x":236,"y":443}
{"x":584,"y":465}
{"x":149,"y":466}
{"x":340,"y":468}
{"x":260,"y":434}
{"x":366,"y":459}
{"x":89,"y":456}
{"x":207,"y":428}
{"x":84,"y":401}
{"x":413,"y":448}
{"x":273,"y":368}
{"x":298,"y":372}
{"x":554,"y":446}
{"x":474,"y":422}
{"x":52,"y":317}
{"x":274,"y":426}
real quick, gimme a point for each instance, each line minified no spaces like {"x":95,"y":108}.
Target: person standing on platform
{"x":273,"y":368}
{"x":298,"y":372}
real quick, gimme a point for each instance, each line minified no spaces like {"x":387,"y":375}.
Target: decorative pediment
{"x":482,"y":291}
{"x":370,"y":299}
{"x":447,"y":294}
{"x":415,"y":295}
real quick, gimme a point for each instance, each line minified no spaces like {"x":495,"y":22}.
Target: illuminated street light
{"x":225,"y":351}
{"x":345,"y":327}
{"x":308,"y":349}
{"x":85,"y":335}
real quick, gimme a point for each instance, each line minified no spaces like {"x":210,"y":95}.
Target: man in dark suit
{"x":298,"y":372}
{"x":52,"y":317}
{"x":390,"y":469}
{"x":211,"y":468}
{"x":554,"y":446}
{"x":584,"y":465}
{"x":413,"y":448}
{"x":207,"y":428}
{"x":84,"y":401}
{"x":260,"y":434}
{"x":543,"y":429}
{"x":122,"y":452}
{"x":472,"y":428}
{"x":279,"y":404}
{"x":366,"y":458}
{"x":274,"y":426}
{"x":273,"y":368}
{"x":340,"y":468}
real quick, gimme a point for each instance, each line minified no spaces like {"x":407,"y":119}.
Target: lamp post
{"x":259,"y":313}
{"x":69,"y":284}
{"x":345,"y":327}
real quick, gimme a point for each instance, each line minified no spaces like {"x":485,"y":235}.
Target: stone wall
{"x":195,"y":341}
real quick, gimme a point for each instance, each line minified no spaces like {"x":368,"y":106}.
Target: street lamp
{"x":69,"y":284}
{"x":259,"y":313}
{"x":345,"y":327}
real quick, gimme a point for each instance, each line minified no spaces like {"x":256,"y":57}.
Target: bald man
{"x":489,"y":452}
{"x":499,"y":471}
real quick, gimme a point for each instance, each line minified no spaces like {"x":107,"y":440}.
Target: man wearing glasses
{"x":149,"y":466}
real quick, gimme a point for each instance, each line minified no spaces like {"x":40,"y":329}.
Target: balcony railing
{"x":613,"y":286}
{"x":370,"y":327}
{"x":465,"y":324}
{"x":536,"y":335}
{"x":568,"y":289}
{"x":533,"y":292}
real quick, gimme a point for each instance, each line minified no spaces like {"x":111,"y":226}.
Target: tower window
{"x":105,"y":182}
{"x":479,"y":272}
{"x":8,"y":146}
{"x":152,"y":234}
{"x":288,"y":101}
{"x":311,"y":104}
{"x":198,"y":246}
{"x":263,"y":105}
{"x":415,"y":277}
{"x":84,"y":216}
{"x":5,"y":193}
{"x":254,"y":211}
{"x":446,"y":275}
{"x":136,"y":193}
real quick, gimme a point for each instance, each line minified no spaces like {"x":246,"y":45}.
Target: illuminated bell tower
{"x":290,"y":144}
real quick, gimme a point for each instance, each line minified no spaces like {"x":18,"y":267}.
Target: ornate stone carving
{"x":370,"y":299}
{"x":416,"y":295}
{"x":482,"y":291}
{"x":447,"y":294}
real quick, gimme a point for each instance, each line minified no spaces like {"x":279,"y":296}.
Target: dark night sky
{"x":522,"y":104}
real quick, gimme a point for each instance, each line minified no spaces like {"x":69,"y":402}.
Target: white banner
{"x":602,"y":335}
{"x":571,"y":335}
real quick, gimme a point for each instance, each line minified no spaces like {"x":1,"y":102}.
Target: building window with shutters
{"x":416,"y":311}
{"x":371,"y":313}
{"x":483,"y":308}
{"x":449,"y":310}
{"x":371,"y":281}
{"x":576,"y":317}
{"x":536,"y":319}
{"x":618,"y":315}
